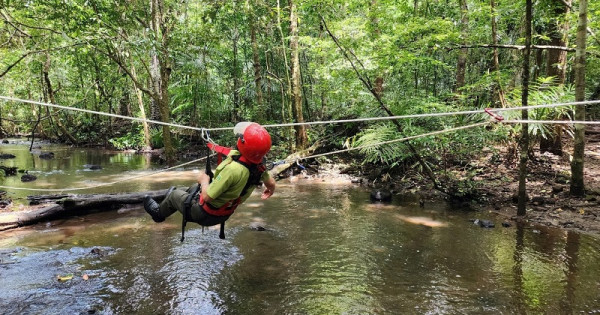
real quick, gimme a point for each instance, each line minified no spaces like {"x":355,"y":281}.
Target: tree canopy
{"x":214,"y":63}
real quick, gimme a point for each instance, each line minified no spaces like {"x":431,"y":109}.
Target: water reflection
{"x":70,"y":169}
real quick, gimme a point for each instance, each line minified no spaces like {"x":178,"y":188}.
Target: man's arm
{"x":204,"y":181}
{"x":270,"y":188}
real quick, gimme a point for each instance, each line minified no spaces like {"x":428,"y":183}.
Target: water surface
{"x":324,"y":250}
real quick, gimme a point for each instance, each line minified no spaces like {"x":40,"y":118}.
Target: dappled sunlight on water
{"x":378,"y":206}
{"x":422,"y":221}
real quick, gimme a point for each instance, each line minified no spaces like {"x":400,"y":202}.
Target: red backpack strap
{"x":221,"y":151}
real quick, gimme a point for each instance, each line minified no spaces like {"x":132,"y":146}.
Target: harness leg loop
{"x":222,"y":232}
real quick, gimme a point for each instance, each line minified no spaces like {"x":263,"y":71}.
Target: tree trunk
{"x":51,"y":126}
{"x":235,"y":114}
{"x":39,"y":118}
{"x":140,"y":101}
{"x":577,"y":184}
{"x":498,"y":84}
{"x":557,"y":59}
{"x":161,"y":77}
{"x":50,"y":92}
{"x":260,"y":111}
{"x":524,"y":146}
{"x":288,"y":91}
{"x":301,"y":138}
{"x":375,"y":34}
{"x":461,"y":65}
{"x":556,"y":67}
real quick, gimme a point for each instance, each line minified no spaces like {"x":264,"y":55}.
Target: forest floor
{"x":548,"y":185}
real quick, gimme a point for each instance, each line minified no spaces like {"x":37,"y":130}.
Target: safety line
{"x":468,"y":112}
{"x":105,"y":184}
{"x":388,"y":142}
{"x":284,"y":161}
{"x":529,"y":121}
{"x":307,"y":123}
{"x":99,"y":113}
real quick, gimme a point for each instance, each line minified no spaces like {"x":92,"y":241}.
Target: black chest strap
{"x":256,"y":171}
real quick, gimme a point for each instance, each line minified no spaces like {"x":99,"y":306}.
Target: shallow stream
{"x":315,"y":247}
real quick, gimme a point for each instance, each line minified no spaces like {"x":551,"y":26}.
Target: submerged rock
{"x":28,"y":178}
{"x":92,"y":167}
{"x":47,"y":155}
{"x":8,"y":171}
{"x":5,"y":203}
{"x":381,"y":195}
{"x":5,"y":156}
{"x":484,"y":223}
{"x":257,"y":226}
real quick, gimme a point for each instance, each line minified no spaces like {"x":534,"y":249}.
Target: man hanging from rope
{"x":213,"y":203}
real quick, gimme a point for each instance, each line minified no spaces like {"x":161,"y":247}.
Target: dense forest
{"x":214,"y":63}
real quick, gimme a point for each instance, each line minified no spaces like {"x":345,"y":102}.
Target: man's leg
{"x":173,"y":202}
{"x":154,"y":209}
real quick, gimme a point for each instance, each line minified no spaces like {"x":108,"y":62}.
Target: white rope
{"x":583,"y":122}
{"x":468,"y":112}
{"x":99,"y":113}
{"x":104,"y":184}
{"x":307,"y":123}
{"x":204,"y":130}
{"x":388,"y":142}
{"x":591,"y":102}
{"x":285,"y":161}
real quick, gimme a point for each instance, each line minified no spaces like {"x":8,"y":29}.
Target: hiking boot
{"x":153,"y":209}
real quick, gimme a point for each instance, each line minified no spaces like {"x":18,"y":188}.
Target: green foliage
{"x":370,"y":139}
{"x":544,"y":91}
{"x":156,"y":138}
{"x":411,"y":48}
{"x":91,"y":130}
{"x":132,"y":140}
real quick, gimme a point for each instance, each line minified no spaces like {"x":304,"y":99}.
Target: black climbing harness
{"x":187,"y":204}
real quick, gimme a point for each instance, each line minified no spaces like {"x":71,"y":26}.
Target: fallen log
{"x":279,"y":169}
{"x":72,"y":205}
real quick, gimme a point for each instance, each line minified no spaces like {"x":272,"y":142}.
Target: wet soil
{"x":548,"y":185}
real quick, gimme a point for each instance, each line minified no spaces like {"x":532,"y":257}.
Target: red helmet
{"x":254,"y":141}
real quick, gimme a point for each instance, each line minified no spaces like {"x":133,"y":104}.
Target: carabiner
{"x":206,"y":136}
